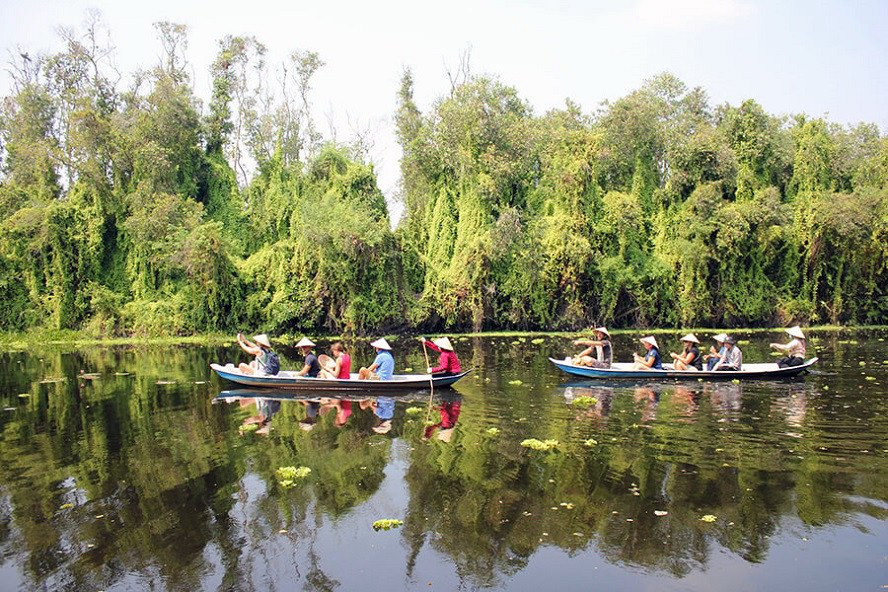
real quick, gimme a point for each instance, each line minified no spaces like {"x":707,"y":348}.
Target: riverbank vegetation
{"x":138,"y":210}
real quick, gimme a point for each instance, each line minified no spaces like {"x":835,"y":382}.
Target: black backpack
{"x":272,"y":363}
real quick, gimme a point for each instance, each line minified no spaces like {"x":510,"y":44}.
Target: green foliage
{"x":134,"y":212}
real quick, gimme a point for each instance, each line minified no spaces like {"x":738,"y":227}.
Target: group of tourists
{"x":726,"y":355}
{"x":338,"y":363}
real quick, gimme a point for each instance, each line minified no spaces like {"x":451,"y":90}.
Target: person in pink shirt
{"x":448,"y":363}
{"x":340,"y":365}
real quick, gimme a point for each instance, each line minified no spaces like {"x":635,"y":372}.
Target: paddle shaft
{"x":431,"y":383}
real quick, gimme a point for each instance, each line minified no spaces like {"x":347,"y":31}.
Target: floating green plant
{"x":287,"y":476}
{"x":414,"y":411}
{"x":492,"y":431}
{"x":387,"y":524}
{"x":584,"y":401}
{"x":535,"y":444}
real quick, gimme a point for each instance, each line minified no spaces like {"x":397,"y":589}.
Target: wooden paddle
{"x":431,"y":384}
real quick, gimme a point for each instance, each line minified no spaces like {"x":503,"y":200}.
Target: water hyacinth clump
{"x":414,"y":411}
{"x":492,"y":431}
{"x":584,"y":401}
{"x":387,"y":524}
{"x":535,"y":444}
{"x":287,"y":476}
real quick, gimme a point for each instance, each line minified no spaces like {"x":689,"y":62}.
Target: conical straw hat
{"x":650,"y":339}
{"x":690,"y":337}
{"x":305,"y":342}
{"x":262,"y":339}
{"x":720,"y":337}
{"x":443,"y":343}
{"x":602,"y":330}
{"x":796,"y":332}
{"x":381,"y":343}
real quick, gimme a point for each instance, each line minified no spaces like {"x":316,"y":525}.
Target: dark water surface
{"x":142,"y":478}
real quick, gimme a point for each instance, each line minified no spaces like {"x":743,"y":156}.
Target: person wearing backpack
{"x":267,"y":362}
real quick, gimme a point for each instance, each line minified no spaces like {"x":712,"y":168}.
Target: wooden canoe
{"x":627,"y":370}
{"x":287,"y":379}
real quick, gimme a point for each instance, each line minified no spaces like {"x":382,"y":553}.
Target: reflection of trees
{"x":165,"y":470}
{"x":491,"y":504}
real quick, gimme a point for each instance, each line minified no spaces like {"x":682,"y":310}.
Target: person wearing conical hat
{"x":383,"y":367}
{"x":267,"y":362}
{"x":690,"y":358}
{"x":795,"y":349}
{"x":601,"y":345}
{"x":311,"y":367}
{"x":448,"y":363}
{"x":651,"y":359}
{"x":716,"y":355}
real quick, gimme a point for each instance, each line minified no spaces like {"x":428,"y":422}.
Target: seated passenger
{"x":311,"y":367}
{"x":448,"y":363}
{"x":601,"y":345}
{"x":715,"y":355}
{"x":795,"y":349}
{"x":383,"y":367}
{"x":266,"y":363}
{"x":690,"y":358}
{"x":733,"y":359}
{"x":340,"y":367}
{"x":651,"y":359}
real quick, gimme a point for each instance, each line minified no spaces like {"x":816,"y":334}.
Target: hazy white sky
{"x":817,"y":57}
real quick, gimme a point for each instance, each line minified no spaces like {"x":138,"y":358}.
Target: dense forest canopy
{"x":140,"y":210}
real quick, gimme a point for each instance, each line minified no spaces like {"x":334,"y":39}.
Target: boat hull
{"x":624,"y":370}
{"x":287,"y":380}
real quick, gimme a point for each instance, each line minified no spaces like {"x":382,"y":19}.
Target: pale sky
{"x":817,"y":57}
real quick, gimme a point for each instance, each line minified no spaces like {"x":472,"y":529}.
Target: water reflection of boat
{"x":627,"y":370}
{"x":227,"y":396}
{"x":289,"y":380}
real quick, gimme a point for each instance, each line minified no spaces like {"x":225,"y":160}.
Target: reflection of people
{"x":341,"y":407}
{"x":383,"y":367}
{"x":266,"y":362}
{"x":448,"y":363}
{"x":651,"y":400}
{"x":265,"y":409}
{"x":311,"y":367}
{"x":384,"y":410}
{"x":733,"y":358}
{"x":449,"y":411}
{"x":795,"y":349}
{"x":687,"y":398}
{"x":601,"y":345}
{"x":651,"y":359}
{"x":689,"y":359}
{"x":716,"y":355}
{"x":312,"y":408}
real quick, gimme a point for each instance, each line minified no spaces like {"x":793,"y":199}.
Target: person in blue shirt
{"x":383,"y":367}
{"x":651,"y":360}
{"x":716,"y":355}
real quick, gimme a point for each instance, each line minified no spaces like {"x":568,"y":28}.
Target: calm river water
{"x":139,"y":476}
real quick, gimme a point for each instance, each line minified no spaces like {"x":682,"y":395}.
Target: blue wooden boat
{"x":627,"y":370}
{"x":288,"y":379}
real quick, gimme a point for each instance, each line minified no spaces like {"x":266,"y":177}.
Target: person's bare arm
{"x":247,"y":345}
{"x":304,"y":371}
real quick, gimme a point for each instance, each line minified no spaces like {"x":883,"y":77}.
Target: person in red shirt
{"x":448,"y":363}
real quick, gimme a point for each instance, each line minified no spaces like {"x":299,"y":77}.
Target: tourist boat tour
{"x":763,"y":371}
{"x":289,"y":380}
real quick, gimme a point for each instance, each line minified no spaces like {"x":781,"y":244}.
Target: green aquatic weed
{"x":535,"y":444}
{"x":387,"y":524}
{"x":584,"y":401}
{"x":287,"y":476}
